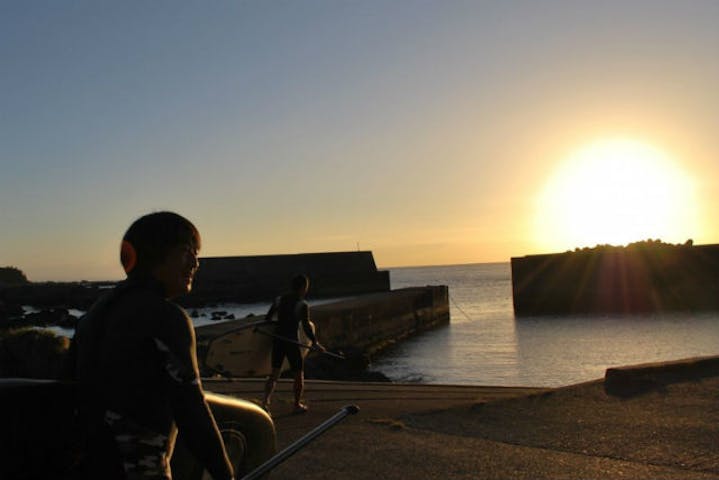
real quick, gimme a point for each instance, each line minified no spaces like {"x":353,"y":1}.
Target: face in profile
{"x":178,"y":269}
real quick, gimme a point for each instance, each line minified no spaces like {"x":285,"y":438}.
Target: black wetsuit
{"x":291,"y":311}
{"x":138,"y":379}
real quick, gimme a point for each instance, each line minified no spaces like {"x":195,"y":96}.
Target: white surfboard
{"x":247,"y":351}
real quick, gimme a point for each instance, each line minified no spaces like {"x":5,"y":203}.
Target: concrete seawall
{"x":647,"y":277}
{"x":360,"y":326}
{"x":638,"y":379}
{"x":259,"y":278}
{"x":374,"y":322}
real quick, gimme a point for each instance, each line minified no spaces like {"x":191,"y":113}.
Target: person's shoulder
{"x":101,"y":302}
{"x":286,"y":298}
{"x":172,"y":322}
{"x":173,"y":312}
{"x":301,"y":306}
{"x":96,"y":310}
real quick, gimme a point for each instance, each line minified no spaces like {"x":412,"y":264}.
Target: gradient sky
{"x":421,"y":130}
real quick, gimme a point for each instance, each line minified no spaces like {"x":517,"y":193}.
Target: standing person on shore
{"x":292,"y":310}
{"x":136,"y":366}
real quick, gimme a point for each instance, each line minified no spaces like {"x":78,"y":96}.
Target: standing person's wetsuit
{"x":292,"y":310}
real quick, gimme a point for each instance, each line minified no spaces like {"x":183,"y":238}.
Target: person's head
{"x":300,"y":284}
{"x":163,"y":245}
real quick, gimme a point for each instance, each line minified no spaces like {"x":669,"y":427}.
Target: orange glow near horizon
{"x":616,"y":192}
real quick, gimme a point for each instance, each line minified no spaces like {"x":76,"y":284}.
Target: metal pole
{"x":301,"y":442}
{"x":299,"y":344}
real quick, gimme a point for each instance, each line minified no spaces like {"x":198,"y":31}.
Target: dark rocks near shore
{"x":78,"y":295}
{"x":353,"y":368}
{"x":51,"y":300}
{"x":222,"y":315}
{"x":52,"y":317}
{"x":9,"y":312}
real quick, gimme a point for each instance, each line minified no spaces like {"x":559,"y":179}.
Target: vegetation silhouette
{"x":12,"y":276}
{"x":648,"y":244}
{"x":640,"y":277}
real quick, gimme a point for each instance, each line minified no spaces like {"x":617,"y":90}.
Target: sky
{"x":429,"y":132}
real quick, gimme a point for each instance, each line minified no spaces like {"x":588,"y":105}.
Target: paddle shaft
{"x":295,"y":342}
{"x":301,"y":442}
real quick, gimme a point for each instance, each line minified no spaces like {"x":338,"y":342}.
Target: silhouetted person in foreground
{"x":292,"y":310}
{"x":135,"y":361}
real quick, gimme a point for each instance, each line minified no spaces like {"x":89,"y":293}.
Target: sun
{"x":615,"y":192}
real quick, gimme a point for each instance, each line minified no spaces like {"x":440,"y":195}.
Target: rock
{"x":353,"y":368}
{"x":43,"y":318}
{"x":68,"y":321}
{"x":10,"y":309}
{"x":50,"y":317}
{"x":51,"y":295}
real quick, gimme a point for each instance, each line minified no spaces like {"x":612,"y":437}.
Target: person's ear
{"x":128,"y":256}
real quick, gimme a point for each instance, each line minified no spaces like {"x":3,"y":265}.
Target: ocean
{"x":484,"y":344}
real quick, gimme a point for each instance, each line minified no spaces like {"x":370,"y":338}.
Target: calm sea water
{"x":485,"y":344}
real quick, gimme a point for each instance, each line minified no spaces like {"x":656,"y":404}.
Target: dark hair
{"x":299,"y":282}
{"x":150,"y":237}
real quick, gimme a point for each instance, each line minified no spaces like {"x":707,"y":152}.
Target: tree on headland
{"x":12,"y":276}
{"x":648,"y":244}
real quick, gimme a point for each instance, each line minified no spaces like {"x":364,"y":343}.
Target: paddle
{"x":301,"y":442}
{"x":295,"y":342}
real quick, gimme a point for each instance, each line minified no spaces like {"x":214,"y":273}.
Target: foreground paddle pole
{"x":301,"y":442}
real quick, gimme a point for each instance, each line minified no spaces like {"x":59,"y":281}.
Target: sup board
{"x":247,"y":350}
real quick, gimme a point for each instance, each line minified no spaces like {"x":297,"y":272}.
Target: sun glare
{"x":615,"y":192}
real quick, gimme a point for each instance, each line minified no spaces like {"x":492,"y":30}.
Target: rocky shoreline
{"x":50,"y":302}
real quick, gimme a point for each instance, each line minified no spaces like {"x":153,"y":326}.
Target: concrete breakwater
{"x":642,"y":277}
{"x":632,"y":380}
{"x":374,"y":322}
{"x":361,"y":327}
{"x":247,"y":279}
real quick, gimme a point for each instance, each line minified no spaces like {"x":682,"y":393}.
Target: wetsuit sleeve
{"x":191,"y":411}
{"x":304,"y":314}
